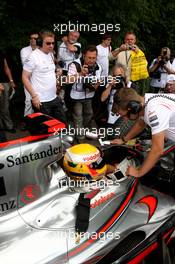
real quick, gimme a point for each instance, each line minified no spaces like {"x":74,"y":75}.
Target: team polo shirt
{"x":160,"y":114}
{"x":43,"y":79}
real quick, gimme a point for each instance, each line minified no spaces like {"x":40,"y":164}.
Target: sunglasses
{"x":49,"y":43}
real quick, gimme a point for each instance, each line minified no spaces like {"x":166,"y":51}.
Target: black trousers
{"x":54,"y":109}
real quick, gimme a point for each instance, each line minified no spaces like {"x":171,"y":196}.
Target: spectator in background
{"x":112,"y":87}
{"x":159,"y":70}
{"x":99,"y":108}
{"x":119,"y":81}
{"x":80,"y":74}
{"x":104,"y":50}
{"x":24,"y":54}
{"x":8,"y":84}
{"x":39,"y":77}
{"x":69,"y":50}
{"x":134,"y":60}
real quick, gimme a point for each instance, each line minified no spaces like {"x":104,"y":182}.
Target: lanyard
{"x":127,"y":58}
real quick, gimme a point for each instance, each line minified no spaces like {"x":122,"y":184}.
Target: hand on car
{"x":132,"y":171}
{"x":117,"y":141}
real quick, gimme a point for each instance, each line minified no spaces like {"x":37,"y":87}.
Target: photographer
{"x":84,"y":74}
{"x":68,"y":51}
{"x":118,"y":82}
{"x":133,"y":59}
{"x":159,"y":70}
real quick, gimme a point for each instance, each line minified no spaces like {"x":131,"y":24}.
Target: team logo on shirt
{"x":152,"y":119}
{"x":154,"y":124}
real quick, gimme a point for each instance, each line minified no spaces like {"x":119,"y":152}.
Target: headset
{"x":39,"y":40}
{"x":134,"y":107}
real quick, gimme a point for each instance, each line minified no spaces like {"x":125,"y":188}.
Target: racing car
{"x":128,"y":222}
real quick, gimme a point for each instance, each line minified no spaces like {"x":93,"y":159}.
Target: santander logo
{"x":102,"y":199}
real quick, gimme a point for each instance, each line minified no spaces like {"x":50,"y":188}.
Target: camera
{"x":92,"y":69}
{"x":88,"y":83}
{"x":162,"y":62}
{"x":130,"y":47}
{"x":120,"y":82}
{"x":61,"y":64}
{"x":164,"y":58}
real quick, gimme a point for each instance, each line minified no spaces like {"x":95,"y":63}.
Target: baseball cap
{"x":171,"y":78}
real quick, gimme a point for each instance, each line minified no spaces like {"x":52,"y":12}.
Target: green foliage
{"x":152,"y":20}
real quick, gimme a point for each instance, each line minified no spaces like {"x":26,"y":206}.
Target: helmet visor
{"x":99,"y":164}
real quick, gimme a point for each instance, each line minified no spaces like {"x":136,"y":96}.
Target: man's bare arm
{"x":135,"y":130}
{"x":26,"y":81}
{"x":152,"y":157}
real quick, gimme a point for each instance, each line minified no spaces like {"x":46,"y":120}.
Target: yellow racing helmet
{"x":83,"y":162}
